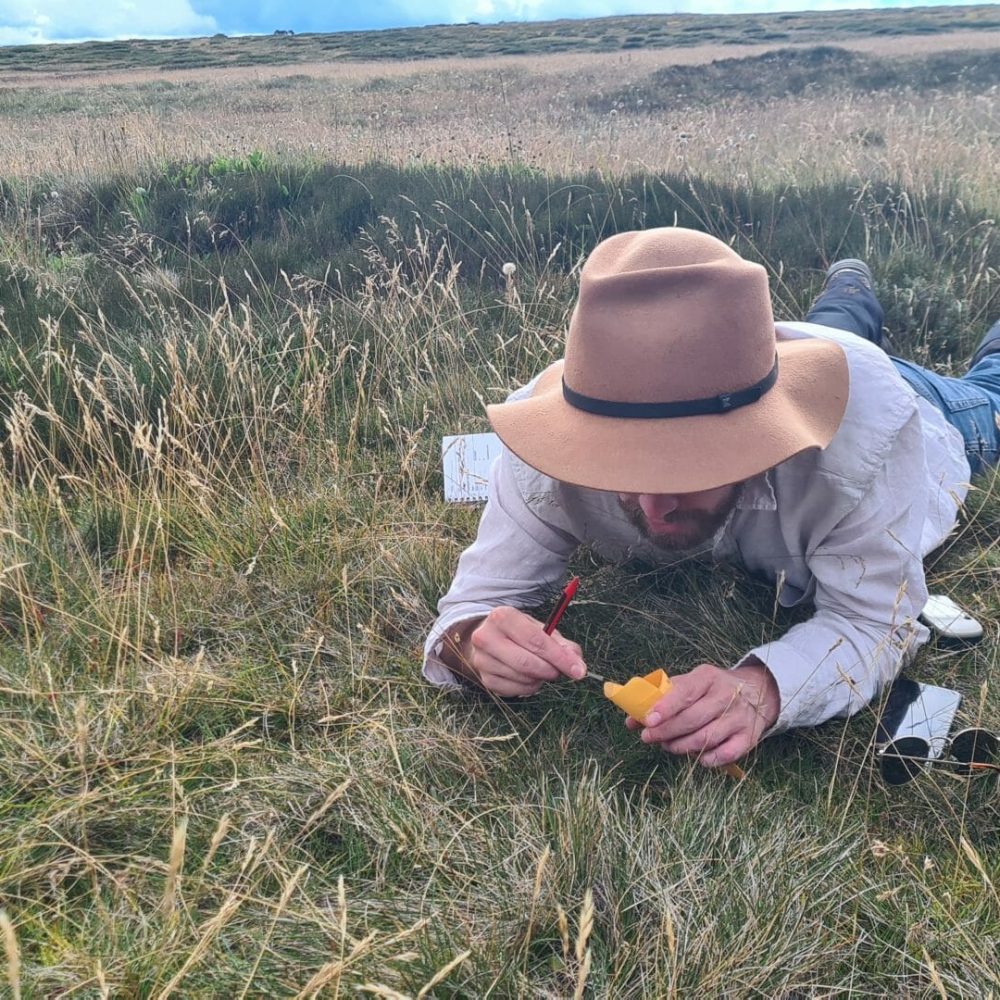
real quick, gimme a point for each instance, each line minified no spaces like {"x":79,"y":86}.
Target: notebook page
{"x":466,"y":461}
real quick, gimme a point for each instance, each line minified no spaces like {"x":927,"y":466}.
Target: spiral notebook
{"x":466,"y":461}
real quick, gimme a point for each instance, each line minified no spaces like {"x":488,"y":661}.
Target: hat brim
{"x":681,"y":454}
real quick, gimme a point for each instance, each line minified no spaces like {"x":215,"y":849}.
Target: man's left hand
{"x":713,"y":714}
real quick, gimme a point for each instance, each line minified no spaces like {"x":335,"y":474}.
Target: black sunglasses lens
{"x":975,"y":746}
{"x":902,"y":760}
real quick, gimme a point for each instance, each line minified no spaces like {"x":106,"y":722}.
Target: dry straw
{"x":13,"y":955}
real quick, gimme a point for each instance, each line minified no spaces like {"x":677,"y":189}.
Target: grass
{"x":222,"y":539}
{"x":822,"y":69}
{"x":567,"y":113}
{"x":517,"y":38}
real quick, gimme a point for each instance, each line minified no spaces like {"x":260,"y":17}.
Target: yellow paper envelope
{"x":639,"y":695}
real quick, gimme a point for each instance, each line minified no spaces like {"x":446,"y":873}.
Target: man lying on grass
{"x":683,"y":421}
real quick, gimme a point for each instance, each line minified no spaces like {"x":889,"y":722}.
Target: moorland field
{"x":246,"y":285}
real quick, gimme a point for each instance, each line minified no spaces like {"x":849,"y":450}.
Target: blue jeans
{"x":971,"y":404}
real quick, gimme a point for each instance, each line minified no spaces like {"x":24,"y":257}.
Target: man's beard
{"x":699,"y":525}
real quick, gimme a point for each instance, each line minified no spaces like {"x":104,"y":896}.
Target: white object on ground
{"x":943,"y":615}
{"x":466,"y":461}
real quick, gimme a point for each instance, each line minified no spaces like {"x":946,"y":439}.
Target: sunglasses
{"x":912,"y":734}
{"x":970,"y":751}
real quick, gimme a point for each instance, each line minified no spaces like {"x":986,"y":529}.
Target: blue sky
{"x":23,"y":21}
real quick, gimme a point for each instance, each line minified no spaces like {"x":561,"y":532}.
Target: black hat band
{"x":722,"y":403}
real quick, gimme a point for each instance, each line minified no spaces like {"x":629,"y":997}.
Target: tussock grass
{"x":221,"y":544}
{"x":826,"y":69}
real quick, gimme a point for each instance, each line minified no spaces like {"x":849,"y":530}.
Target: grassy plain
{"x":608,"y":34}
{"x":240,"y":308}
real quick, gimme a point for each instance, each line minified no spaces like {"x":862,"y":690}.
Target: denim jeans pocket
{"x":969,"y":406}
{"x":972,"y":414}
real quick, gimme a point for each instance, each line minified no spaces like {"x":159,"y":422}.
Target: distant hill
{"x":595,"y":35}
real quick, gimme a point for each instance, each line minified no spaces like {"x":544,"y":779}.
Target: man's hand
{"x":508,"y":653}
{"x":713,"y":714}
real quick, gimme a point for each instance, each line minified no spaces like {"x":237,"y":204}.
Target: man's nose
{"x":656,"y":506}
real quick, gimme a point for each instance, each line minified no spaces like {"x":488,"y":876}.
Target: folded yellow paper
{"x":640,"y":694}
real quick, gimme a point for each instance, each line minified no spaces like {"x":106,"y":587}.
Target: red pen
{"x":559,"y":610}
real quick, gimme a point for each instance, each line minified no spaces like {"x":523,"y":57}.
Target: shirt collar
{"x":758,"y":493}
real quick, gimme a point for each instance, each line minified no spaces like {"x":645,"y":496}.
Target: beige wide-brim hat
{"x":673,"y":379}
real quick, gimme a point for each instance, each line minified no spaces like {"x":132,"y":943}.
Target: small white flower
{"x":880,"y":849}
{"x":508,"y":269}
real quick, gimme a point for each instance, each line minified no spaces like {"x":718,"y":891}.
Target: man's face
{"x":678,"y":521}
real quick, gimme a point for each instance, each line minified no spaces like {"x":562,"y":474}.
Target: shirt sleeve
{"x":870,"y":589}
{"x":517,"y":560}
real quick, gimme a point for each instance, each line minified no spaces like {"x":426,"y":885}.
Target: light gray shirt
{"x":845,"y":527}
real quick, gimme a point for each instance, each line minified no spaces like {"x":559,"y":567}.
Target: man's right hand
{"x":508,"y":653}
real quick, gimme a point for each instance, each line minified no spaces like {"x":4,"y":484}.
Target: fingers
{"x":573,"y":647}
{"x":706,"y":715}
{"x":513,"y":656}
{"x":730,"y":751}
{"x":499,"y":654}
{"x":518,"y":642}
{"x":701,"y":696}
{"x":693,"y":701}
{"x":529,"y":635}
{"x":715,"y":704}
{"x":686,"y":709}
{"x":721,"y":743}
{"x":706,"y":739}
{"x":508,"y":688}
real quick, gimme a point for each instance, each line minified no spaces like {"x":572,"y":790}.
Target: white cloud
{"x":26,"y":21}
{"x":516,"y":10}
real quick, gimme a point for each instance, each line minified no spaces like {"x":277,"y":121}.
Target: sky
{"x":31,"y":21}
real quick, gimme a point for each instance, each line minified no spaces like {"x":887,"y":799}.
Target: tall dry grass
{"x":528,"y":110}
